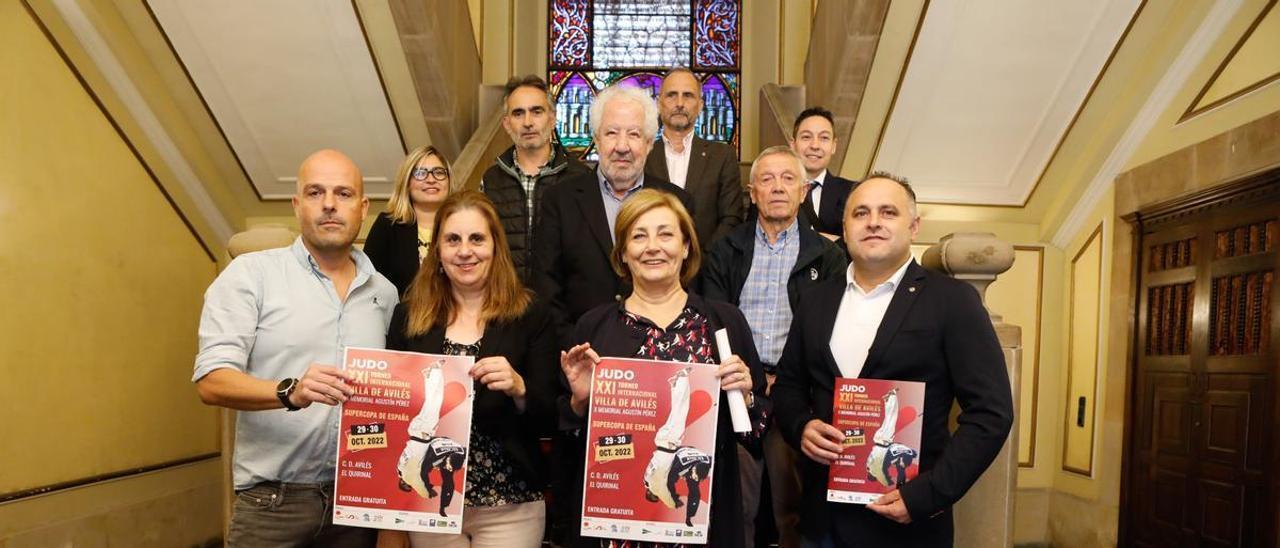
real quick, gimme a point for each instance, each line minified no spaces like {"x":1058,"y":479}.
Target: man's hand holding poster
{"x":650,"y":444}
{"x":881,"y":423}
{"x":403,"y":438}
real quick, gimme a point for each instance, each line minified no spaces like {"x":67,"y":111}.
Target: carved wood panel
{"x":1202,"y":450}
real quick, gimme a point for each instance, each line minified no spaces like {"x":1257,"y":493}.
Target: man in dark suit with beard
{"x":888,"y":318}
{"x":707,"y":170}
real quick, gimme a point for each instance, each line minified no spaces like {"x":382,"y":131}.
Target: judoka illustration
{"x":672,"y":461}
{"x":886,"y":454}
{"x":425,"y":451}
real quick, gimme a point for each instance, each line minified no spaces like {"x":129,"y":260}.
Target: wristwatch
{"x":284,"y":390}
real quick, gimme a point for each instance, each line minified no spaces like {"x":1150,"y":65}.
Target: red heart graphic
{"x":699,"y":404}
{"x":906,"y":416}
{"x":454,"y":393}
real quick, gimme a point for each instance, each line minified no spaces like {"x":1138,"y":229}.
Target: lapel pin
{"x":911,"y":289}
{"x":813,"y":274}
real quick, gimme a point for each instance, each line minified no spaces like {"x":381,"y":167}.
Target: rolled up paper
{"x":737,"y":404}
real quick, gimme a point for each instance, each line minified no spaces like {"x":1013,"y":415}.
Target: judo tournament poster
{"x":402,"y":442}
{"x":651,"y":435}
{"x":881,"y":421}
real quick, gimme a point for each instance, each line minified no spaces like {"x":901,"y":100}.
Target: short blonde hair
{"x":400,"y":206}
{"x":633,"y":208}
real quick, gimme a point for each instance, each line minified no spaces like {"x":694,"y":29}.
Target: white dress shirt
{"x":858,"y":320}
{"x":817,"y":190}
{"x":678,"y":162}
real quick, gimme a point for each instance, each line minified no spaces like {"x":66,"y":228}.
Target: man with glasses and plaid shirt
{"x":750,"y":267}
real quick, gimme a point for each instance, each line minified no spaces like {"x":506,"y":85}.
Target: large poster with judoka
{"x":402,"y":441}
{"x":881,"y":421}
{"x":650,"y":444}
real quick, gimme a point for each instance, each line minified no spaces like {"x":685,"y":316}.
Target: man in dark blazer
{"x":761,"y":267}
{"x":707,"y":170}
{"x":813,"y":138}
{"x":891,"y":319}
{"x":574,"y":234}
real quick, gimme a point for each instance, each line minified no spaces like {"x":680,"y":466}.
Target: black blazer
{"x":603,"y":327}
{"x":936,"y":331}
{"x":393,"y":249}
{"x":828,"y":217}
{"x":572,"y":242}
{"x":529,"y":344}
{"x":714,"y":182}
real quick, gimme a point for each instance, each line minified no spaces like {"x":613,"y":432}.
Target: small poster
{"x":881,"y":421}
{"x":402,"y":441}
{"x":651,"y":433}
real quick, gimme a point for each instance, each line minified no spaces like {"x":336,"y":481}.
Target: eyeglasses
{"x":437,"y":173}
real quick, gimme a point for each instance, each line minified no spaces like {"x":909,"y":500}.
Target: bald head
{"x":330,"y":164}
{"x":330,"y":203}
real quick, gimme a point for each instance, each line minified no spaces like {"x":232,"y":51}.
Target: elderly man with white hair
{"x":574,"y":233}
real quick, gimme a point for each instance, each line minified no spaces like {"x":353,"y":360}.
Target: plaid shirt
{"x":764,"y":296}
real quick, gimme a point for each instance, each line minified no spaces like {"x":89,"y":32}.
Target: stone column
{"x":984,"y":517}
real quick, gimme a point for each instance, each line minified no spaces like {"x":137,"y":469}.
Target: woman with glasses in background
{"x":399,"y":238}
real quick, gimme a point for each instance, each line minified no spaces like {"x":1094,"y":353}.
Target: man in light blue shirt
{"x":761,"y":267}
{"x":272,"y":332}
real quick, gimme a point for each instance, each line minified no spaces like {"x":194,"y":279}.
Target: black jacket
{"x":603,"y":327}
{"x":935,"y":331}
{"x":572,"y":241}
{"x":828,"y":217}
{"x":713,"y":181}
{"x":529,"y":344}
{"x":393,"y":249}
{"x":726,"y":266}
{"x":501,"y":183}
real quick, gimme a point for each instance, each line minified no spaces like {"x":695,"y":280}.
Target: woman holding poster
{"x":468,"y":300}
{"x":657,"y":253}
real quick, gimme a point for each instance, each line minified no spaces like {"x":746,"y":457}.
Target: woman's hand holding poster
{"x":402,"y":442}
{"x":650,"y":444}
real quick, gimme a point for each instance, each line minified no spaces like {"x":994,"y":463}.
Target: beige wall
{"x":104,"y":285}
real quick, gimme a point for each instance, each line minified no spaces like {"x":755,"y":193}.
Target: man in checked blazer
{"x":707,"y":170}
{"x":888,"y":318}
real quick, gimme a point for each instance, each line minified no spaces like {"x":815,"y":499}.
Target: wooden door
{"x":1202,"y":456}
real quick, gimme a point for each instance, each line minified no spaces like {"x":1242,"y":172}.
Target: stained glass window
{"x":595,"y":43}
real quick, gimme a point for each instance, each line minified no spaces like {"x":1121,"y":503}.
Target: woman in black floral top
{"x":467,"y":300}
{"x":657,"y":252}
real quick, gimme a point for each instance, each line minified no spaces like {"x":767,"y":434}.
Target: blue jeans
{"x":291,"y":514}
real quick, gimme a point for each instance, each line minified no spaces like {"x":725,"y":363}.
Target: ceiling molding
{"x":963,"y":138}
{"x":97,"y":49}
{"x":382,"y":81}
{"x":1085,"y":102}
{"x":284,"y":79}
{"x":1195,"y":108}
{"x":1158,"y":101}
{"x":902,"y":75}
{"x":146,"y":4}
